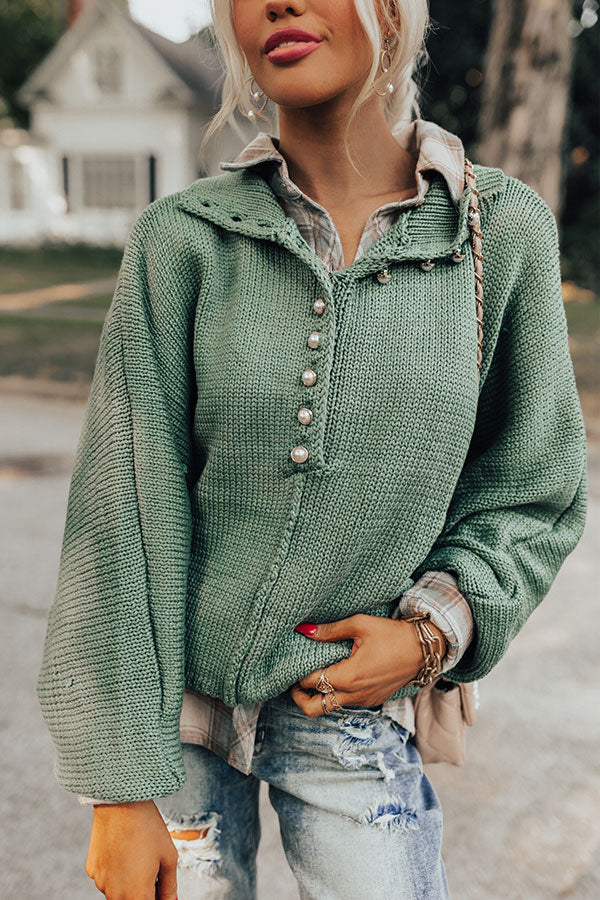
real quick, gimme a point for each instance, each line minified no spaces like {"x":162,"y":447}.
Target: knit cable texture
{"x":194,"y":543}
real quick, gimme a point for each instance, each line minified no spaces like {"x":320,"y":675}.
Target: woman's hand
{"x":386,"y":654}
{"x":130,"y":848}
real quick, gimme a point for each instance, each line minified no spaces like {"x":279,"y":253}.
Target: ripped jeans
{"x":358,"y":817}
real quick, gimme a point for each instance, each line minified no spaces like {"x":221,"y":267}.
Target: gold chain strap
{"x":475,"y":226}
{"x":430,"y":642}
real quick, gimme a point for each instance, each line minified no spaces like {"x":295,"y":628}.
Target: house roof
{"x":195,"y":61}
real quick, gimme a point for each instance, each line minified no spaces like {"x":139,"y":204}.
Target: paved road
{"x":521,"y":816}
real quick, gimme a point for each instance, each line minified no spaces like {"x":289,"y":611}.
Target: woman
{"x":291,"y":457}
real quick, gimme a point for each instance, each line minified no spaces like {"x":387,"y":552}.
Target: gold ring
{"x":323,"y":683}
{"x":324,"y":702}
{"x":335,"y":701}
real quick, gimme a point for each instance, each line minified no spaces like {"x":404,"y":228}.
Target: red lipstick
{"x":304,"y":43}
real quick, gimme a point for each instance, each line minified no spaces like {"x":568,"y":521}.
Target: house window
{"x":16,"y":184}
{"x":108,"y":182}
{"x":108,"y":69}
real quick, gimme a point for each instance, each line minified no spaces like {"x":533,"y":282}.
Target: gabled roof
{"x":194,"y":61}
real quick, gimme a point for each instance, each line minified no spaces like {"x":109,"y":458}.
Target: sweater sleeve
{"x":519,"y":505}
{"x":111,"y":680}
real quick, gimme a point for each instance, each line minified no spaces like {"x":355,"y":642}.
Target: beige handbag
{"x":444,"y":708}
{"x":441,"y":712}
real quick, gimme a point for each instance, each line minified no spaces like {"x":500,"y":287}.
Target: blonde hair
{"x":407,"y":54}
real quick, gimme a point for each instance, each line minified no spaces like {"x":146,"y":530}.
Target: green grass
{"x":100,"y":302}
{"x":583,"y":323}
{"x":27,"y":269}
{"x":56,"y":341}
{"x":59,"y":350}
{"x":583,"y":319}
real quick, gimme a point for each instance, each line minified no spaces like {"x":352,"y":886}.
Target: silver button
{"x":384,"y":276}
{"x":313,"y":339}
{"x":319,"y":305}
{"x":427,"y":265}
{"x":299,"y":454}
{"x":309,"y":376}
{"x":305,"y":415}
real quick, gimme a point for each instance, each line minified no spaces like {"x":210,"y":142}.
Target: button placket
{"x":300,"y":453}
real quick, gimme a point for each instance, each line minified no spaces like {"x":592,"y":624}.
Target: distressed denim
{"x":358,"y":817}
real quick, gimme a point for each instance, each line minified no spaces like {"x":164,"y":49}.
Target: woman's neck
{"x":312,"y":144}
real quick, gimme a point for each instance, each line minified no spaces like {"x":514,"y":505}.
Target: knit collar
{"x":242,"y":201}
{"x":434,"y":149}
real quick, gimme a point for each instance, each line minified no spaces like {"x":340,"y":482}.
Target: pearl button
{"x":427,"y":265}
{"x":457,"y":256}
{"x":305,"y":415}
{"x":299,"y":454}
{"x":313,"y":339}
{"x":309,"y":376}
{"x":383,"y":277}
{"x":319,"y":305}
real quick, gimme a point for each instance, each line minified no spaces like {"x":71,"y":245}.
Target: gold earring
{"x":251,"y":113}
{"x":385,"y":65}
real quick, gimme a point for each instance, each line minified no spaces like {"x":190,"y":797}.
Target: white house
{"x":117,"y":115}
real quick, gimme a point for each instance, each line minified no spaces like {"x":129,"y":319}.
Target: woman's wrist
{"x":433,"y":646}
{"x":443,"y":642}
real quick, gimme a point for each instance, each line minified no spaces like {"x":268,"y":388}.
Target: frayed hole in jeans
{"x":196,"y":838}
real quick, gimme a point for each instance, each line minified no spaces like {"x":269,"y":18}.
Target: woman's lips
{"x":296,"y":51}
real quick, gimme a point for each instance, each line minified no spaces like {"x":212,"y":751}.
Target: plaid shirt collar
{"x":433,"y":146}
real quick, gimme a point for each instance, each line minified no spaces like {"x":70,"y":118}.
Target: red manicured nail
{"x":306,"y":629}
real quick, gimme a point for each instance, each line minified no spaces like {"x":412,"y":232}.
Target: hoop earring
{"x":251,"y":113}
{"x":385,"y":66}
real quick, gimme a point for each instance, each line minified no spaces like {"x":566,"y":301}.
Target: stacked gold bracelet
{"x":431,"y":647}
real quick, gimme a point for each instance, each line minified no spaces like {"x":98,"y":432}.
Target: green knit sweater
{"x":194,"y":542}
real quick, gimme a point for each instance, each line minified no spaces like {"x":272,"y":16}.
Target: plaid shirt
{"x":230,"y":731}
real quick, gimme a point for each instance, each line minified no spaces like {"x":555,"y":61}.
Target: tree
{"x":454,"y":94}
{"x":453,"y":78}
{"x":30,"y":29}
{"x":526,"y":93}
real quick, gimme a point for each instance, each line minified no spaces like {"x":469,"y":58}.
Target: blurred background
{"x":103,"y":104}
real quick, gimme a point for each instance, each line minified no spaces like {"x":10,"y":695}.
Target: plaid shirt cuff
{"x":437,"y":593}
